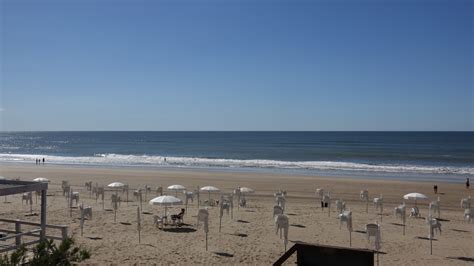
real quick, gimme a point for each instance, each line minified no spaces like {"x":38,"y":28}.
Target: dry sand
{"x":250,"y":237}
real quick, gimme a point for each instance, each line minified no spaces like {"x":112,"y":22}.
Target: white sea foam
{"x":146,"y":160}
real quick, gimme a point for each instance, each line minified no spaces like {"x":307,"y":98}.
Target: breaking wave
{"x":157,"y":161}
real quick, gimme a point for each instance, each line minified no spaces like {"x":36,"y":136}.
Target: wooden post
{"x":31,"y":205}
{"x":70,"y":202}
{"x":17,"y":231}
{"x":206,"y":241}
{"x":43,"y":215}
{"x":431,"y":246}
{"x":220,"y":223}
{"x":198,"y":196}
{"x":127,"y":194}
{"x":350,"y":239}
{"x":82,"y":219}
{"x":139,"y":225}
{"x":140,"y":197}
{"x":404,"y":226}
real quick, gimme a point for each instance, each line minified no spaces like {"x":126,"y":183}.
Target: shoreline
{"x":339,"y":174}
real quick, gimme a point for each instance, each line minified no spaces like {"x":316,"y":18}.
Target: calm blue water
{"x":447,"y":156}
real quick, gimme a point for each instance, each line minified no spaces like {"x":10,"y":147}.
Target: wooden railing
{"x":34,"y":233}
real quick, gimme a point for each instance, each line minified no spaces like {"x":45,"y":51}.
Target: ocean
{"x":422,"y":156}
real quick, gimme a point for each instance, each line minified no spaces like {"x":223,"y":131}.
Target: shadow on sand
{"x":298,"y":225}
{"x":397,"y":224}
{"x":224,"y":254}
{"x":241,"y":235}
{"x":242,"y":221}
{"x":460,"y":231}
{"x":425,"y":238}
{"x":470,"y":259}
{"x":179,"y":230}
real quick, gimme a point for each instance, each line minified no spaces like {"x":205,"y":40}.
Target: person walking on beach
{"x":435,"y":188}
{"x":467,"y":183}
{"x":43,"y":160}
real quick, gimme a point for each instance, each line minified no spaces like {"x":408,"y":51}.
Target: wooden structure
{"x":309,"y":254}
{"x":11,"y":187}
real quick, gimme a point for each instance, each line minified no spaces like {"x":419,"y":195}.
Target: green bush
{"x":47,"y":253}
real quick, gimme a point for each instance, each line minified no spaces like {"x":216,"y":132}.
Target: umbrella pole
{"x":209,"y":201}
{"x":206,"y":241}
{"x":139,"y":225}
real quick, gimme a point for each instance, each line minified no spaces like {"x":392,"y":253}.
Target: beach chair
{"x":27,"y":197}
{"x":373,"y":230}
{"x":434,"y":207}
{"x":75,"y":197}
{"x":434,"y":225}
{"x":243,"y":202}
{"x":280,"y":201}
{"x":468,"y":215}
{"x":340,"y":206}
{"x":282,"y":224}
{"x":277,"y":210}
{"x":159,"y":221}
{"x":400,"y":211}
{"x":466,"y":203}
{"x":415,"y":212}
{"x":378,"y":203}
{"x":346,"y":217}
{"x":88,"y":186}
{"x":177,"y":219}
{"x":86,"y":212}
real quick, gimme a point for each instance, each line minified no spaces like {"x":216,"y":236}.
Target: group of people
{"x":38,"y":161}
{"x":435,"y":187}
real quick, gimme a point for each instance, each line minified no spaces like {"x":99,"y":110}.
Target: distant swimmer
{"x":165,"y":159}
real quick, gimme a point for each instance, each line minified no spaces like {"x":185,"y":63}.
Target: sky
{"x":236,"y":65}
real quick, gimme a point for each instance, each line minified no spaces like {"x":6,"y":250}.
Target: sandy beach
{"x":248,"y":238}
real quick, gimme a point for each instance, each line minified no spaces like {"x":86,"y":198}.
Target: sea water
{"x":434,"y":156}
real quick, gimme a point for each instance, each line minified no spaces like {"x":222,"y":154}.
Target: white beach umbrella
{"x":246,"y":190}
{"x":41,"y":179}
{"x":176,"y":188}
{"x":415,"y":196}
{"x":116,"y":185}
{"x":166,"y":201}
{"x":209,"y":189}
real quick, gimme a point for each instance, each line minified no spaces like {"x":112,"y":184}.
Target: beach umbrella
{"x":41,"y":179}
{"x":117,"y":186}
{"x":166,"y":201}
{"x":176,"y":188}
{"x":415,"y":196}
{"x":209,"y":189}
{"x":245,"y":190}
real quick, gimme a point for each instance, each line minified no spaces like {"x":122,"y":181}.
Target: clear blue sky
{"x":237,"y":65}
